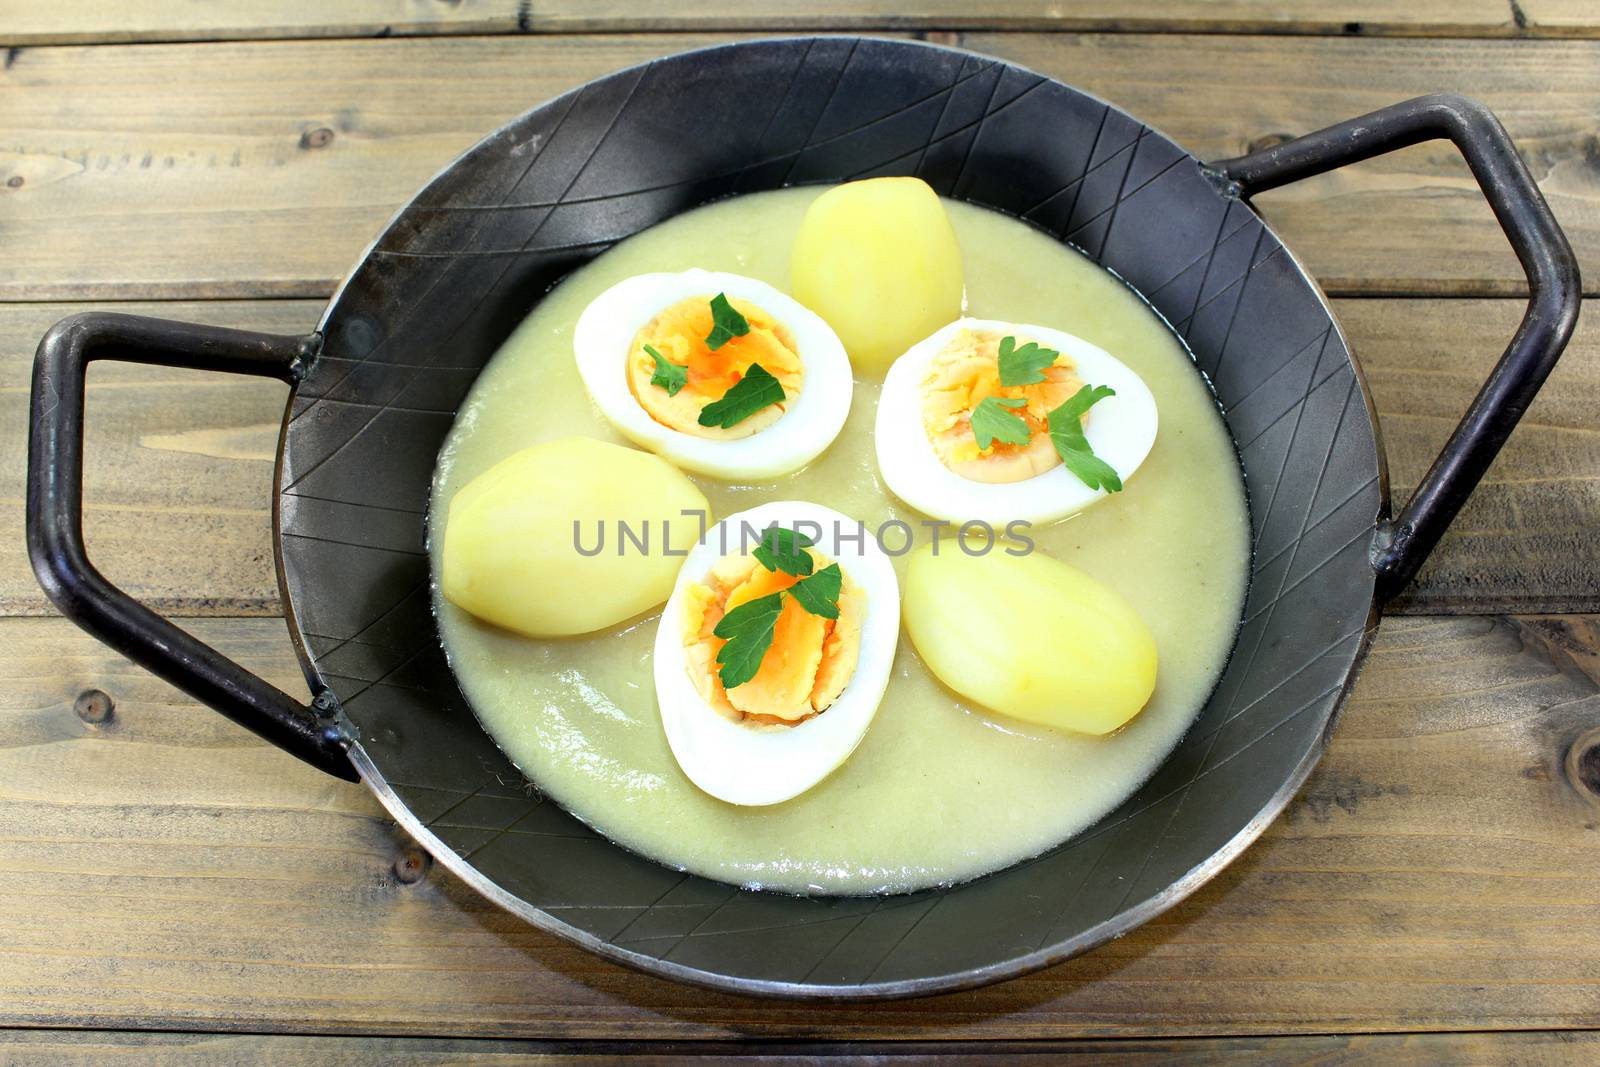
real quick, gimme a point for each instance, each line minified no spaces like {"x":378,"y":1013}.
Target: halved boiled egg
{"x":819,"y":681}
{"x":654,"y":355}
{"x":929,"y":452}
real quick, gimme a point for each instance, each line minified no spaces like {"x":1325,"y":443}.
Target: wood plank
{"x":177,"y":472}
{"x":180,"y":464}
{"x":1545,"y":1048}
{"x":229,"y":170}
{"x":166,"y":870}
{"x":1529,"y":536}
{"x":1560,"y":17}
{"x":86,"y":21}
{"x":1402,"y":223}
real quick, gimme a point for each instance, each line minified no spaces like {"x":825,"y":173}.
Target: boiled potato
{"x":510,"y":556}
{"x":1030,"y":637}
{"x":878,"y":260}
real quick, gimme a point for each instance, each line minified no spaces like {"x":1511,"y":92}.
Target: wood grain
{"x":1546,"y":1049}
{"x":177,"y":467}
{"x":86,"y":21}
{"x":167,"y":870}
{"x":1529,"y":536}
{"x":180,"y":463}
{"x":251,"y":169}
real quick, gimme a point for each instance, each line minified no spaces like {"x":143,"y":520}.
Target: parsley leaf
{"x":669,"y":375}
{"x":784,"y":550}
{"x":819,"y":594}
{"x":756,"y":390}
{"x":726,"y":323}
{"x":747,"y":629}
{"x":1025,"y":365}
{"x":1066,"y":433}
{"x":748,"y":632}
{"x":991,"y":421}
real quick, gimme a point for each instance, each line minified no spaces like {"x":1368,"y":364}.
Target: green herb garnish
{"x":726,"y":323}
{"x":756,"y":390}
{"x":991,"y":421}
{"x":1066,"y":433}
{"x":669,"y":375}
{"x":784,"y":550}
{"x":819,"y":594}
{"x":747,"y":629}
{"x":1025,"y":365}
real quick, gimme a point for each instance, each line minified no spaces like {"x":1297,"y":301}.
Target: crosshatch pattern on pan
{"x":462,"y":264}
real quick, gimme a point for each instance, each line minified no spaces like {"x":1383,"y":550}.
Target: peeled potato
{"x":878,"y":260}
{"x":1029,"y":637}
{"x":511,"y":556}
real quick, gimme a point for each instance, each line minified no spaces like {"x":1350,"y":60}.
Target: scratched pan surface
{"x":464,"y":262}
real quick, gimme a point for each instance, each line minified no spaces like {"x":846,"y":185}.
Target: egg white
{"x":759,"y":764}
{"x":1121,"y":429}
{"x":604,"y":336}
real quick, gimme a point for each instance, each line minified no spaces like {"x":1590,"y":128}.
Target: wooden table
{"x":176,"y":888}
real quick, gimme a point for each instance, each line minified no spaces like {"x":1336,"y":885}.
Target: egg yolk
{"x":679,"y":333}
{"x":959,"y":377}
{"x":808,"y":663}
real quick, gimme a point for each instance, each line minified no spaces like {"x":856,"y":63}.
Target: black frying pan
{"x":376,"y":384}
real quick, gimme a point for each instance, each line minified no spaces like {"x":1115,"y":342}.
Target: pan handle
{"x":55,"y":518}
{"x":1553,"y":287}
